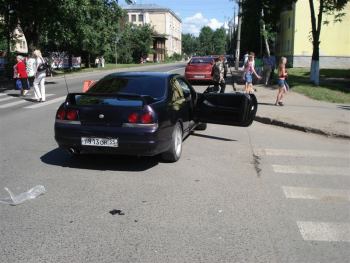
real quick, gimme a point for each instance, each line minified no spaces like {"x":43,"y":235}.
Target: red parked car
{"x":199,"y":69}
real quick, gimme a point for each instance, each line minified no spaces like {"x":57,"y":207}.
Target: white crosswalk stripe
{"x":6,"y":98}
{"x":304,"y":169}
{"x":304,"y":153}
{"x":60,"y":99}
{"x":19,"y":102}
{"x":315,"y":229}
{"x":316,"y":193}
{"x":324,"y":231}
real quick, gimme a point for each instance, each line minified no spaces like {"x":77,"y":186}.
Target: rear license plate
{"x":199,"y":77}
{"x":102,"y":142}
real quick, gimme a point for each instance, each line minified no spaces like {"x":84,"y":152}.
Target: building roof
{"x":150,"y":8}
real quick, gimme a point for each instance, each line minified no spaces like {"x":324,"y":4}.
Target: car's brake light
{"x":61,"y":114}
{"x":133,"y":117}
{"x":72,"y":115}
{"x":67,"y":116}
{"x":146,"y":118}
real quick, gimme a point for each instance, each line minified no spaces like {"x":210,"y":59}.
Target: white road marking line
{"x":7,"y":105}
{"x":7,"y":98}
{"x":303,"y":169}
{"x":11,"y":104}
{"x":323,"y":231}
{"x":304,"y":153}
{"x":316,"y":193}
{"x":177,"y":69}
{"x":43,"y":104}
{"x":3,"y":94}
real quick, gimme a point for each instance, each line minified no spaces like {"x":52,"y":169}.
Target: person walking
{"x":249,"y":71}
{"x":245,"y":59}
{"x":40,"y":74}
{"x":102,"y":62}
{"x":20,"y":74}
{"x":31,"y":70}
{"x":282,"y":84}
{"x":267,"y":68}
{"x":218,"y":75}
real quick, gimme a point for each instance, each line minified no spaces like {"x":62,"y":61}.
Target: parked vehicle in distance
{"x":144,"y":114}
{"x":199,"y":69}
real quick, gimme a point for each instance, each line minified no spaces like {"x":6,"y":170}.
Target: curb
{"x":266,"y":120}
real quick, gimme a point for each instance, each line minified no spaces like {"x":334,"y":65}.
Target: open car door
{"x":235,"y":109}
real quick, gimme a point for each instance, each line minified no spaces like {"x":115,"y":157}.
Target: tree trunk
{"x":265,"y":34}
{"x":316,"y":31}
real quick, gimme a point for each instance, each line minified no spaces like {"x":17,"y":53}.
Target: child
{"x":248,"y":75}
{"x":282,"y":84}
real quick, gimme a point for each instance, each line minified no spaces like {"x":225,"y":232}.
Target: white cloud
{"x":194,"y":24}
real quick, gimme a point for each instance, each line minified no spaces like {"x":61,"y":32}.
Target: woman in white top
{"x":31,"y":69}
{"x":40,"y":75}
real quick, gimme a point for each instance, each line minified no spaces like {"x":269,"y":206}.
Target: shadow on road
{"x":344,"y":107}
{"x":101,"y":162}
{"x":212,"y":137}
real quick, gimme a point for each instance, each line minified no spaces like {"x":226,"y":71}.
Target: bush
{"x":174,"y":57}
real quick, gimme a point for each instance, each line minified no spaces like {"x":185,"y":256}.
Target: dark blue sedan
{"x":144,"y":114}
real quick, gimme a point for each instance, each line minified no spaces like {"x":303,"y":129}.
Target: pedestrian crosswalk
{"x":9,"y":100}
{"x":292,"y":170}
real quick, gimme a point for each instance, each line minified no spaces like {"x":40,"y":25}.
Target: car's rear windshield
{"x":201,"y":60}
{"x":140,"y":85}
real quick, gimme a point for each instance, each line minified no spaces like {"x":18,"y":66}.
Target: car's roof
{"x":128,"y":74}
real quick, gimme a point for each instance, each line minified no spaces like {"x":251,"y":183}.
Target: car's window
{"x":176,"y":90}
{"x":140,"y":85}
{"x":201,"y":60}
{"x":184,"y":86}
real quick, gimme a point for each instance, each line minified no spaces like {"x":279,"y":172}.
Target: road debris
{"x":22,"y":197}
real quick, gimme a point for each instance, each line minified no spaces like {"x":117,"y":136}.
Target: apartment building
{"x":293,"y":39}
{"x":166,"y":23}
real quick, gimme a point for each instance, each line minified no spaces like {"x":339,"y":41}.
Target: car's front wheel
{"x":175,"y":150}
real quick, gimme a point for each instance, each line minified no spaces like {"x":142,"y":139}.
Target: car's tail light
{"x":145,"y":118}
{"x":67,"y":116}
{"x":72,"y":115}
{"x":61,"y":114}
{"x":133,"y":117}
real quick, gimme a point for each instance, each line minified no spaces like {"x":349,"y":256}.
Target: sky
{"x":197,"y":13}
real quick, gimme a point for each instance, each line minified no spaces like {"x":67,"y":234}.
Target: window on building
{"x":133,"y":18}
{"x":141,"y":18}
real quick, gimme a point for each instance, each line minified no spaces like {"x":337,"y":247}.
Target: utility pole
{"x":238,"y":46}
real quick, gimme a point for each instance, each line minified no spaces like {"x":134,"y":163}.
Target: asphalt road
{"x":257,"y":194}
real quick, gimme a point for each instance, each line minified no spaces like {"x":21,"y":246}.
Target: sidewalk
{"x":299,"y":112}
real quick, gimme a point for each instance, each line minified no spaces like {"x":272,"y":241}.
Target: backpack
{"x":43,"y":66}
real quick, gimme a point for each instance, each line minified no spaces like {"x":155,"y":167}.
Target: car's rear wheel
{"x":175,"y":150}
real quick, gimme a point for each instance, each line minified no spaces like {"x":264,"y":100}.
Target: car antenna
{"x":64,"y":76}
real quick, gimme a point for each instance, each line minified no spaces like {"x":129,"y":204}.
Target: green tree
{"x":205,"y":40}
{"x":190,"y":44}
{"x":253,"y":22}
{"x":219,"y":41}
{"x":141,"y":41}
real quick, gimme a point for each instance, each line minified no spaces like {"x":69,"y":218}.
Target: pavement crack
{"x":256,"y":163}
